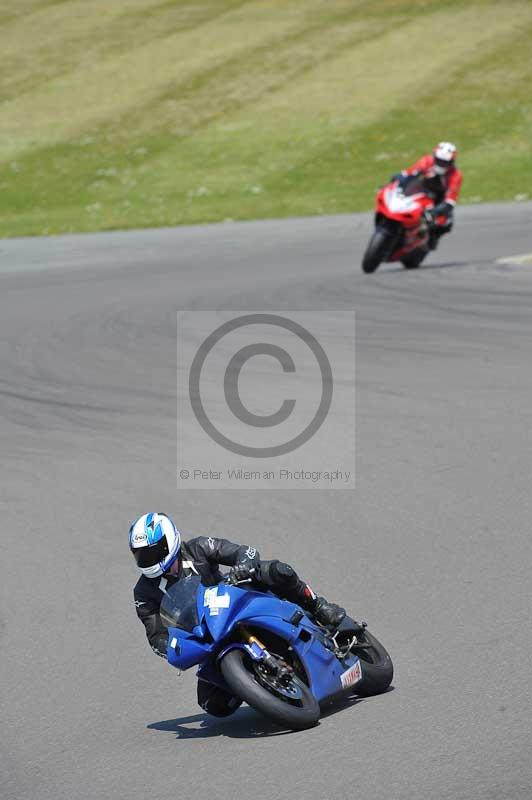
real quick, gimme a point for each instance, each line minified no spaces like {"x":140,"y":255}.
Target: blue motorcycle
{"x":268,"y":652}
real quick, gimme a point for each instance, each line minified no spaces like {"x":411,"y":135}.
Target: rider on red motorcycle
{"x":445,"y":179}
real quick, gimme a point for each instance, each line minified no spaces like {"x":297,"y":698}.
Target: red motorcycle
{"x":403,"y":223}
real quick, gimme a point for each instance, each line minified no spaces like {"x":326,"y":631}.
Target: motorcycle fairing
{"x":184,"y":650}
{"x":394,"y":206}
{"x":401,"y":204}
{"x":221,"y":611}
{"x":322,"y":667}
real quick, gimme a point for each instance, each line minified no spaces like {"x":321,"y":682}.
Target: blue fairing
{"x":321,"y":665}
{"x":184,"y":649}
{"x":243,"y":604}
{"x":221,"y":607}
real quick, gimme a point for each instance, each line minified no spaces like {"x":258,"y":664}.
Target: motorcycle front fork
{"x":259,"y":652}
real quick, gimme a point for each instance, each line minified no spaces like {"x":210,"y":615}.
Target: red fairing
{"x":409,"y":211}
{"x":452,"y":180}
{"x":410,"y":218}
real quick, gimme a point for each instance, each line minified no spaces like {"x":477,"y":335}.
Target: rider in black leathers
{"x":202,"y":556}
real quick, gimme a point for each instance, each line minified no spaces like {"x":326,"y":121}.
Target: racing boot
{"x":437,"y":231}
{"x":328,"y":614}
{"x":215,"y":700}
{"x":284,"y":582}
{"x":434,"y":237}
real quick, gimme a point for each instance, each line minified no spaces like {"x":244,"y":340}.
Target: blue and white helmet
{"x":155,"y":543}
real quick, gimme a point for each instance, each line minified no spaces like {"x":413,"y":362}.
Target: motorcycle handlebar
{"x":232,"y":582}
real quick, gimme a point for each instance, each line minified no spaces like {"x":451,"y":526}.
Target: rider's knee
{"x":282,"y":575}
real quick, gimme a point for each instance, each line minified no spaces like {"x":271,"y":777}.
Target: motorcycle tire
{"x":414,"y":259}
{"x":377,"y":667}
{"x":379,"y":248}
{"x":239,"y":672}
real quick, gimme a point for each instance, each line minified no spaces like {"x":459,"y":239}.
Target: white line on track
{"x":526,"y":258}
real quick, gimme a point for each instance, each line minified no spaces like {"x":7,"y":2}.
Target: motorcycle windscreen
{"x":179,"y":607}
{"x":420,"y":184}
{"x":414,"y":185}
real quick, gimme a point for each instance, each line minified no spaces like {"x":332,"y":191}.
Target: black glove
{"x":241,"y":572}
{"x":443,"y":210}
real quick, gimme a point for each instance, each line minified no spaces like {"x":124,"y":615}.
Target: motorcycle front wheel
{"x":291,"y":705}
{"x":379,"y":248}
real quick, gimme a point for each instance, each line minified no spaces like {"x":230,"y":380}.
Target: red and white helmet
{"x":444,"y":155}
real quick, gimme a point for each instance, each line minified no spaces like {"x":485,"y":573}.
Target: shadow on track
{"x":343,"y":703}
{"x":445,"y":265}
{"x":441,"y":265}
{"x":245,"y":724}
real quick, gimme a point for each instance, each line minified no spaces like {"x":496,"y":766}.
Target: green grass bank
{"x":139,"y":113}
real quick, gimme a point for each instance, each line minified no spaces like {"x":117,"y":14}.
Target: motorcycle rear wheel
{"x":379,"y":248}
{"x":377,"y":667}
{"x":240,"y":674}
{"x":414,"y":259}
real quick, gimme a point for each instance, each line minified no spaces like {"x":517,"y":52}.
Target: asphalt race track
{"x":433,"y":547}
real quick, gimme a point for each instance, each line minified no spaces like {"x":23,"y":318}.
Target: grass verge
{"x":148,"y":113}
